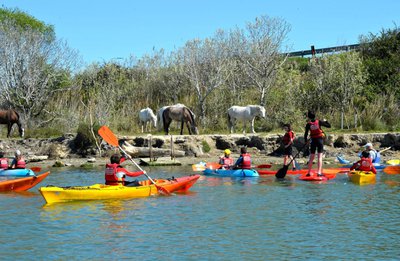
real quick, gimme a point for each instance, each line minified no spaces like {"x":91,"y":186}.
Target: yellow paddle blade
{"x":108,"y":136}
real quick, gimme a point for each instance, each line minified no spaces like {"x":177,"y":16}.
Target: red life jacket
{"x":246,"y":163}
{"x":287,"y":137}
{"x":21,"y":164}
{"x":315,"y":130}
{"x":365,"y":164}
{"x":227,"y":162}
{"x":3,"y":163}
{"x":111,"y":175}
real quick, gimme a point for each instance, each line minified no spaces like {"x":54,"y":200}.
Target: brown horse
{"x":10,"y":117}
{"x":182,"y":114}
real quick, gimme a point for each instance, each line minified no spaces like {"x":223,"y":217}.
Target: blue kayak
{"x":231,"y":172}
{"x":16,"y":173}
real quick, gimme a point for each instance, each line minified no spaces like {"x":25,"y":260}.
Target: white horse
{"x":244,"y":114}
{"x":146,"y":115}
{"x":160,"y":125}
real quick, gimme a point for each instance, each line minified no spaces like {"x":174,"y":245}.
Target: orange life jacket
{"x":111,"y":175}
{"x":246,"y":163}
{"x":287,"y":137}
{"x":3,"y":163}
{"x":315,"y":130}
{"x":21,"y":164}
{"x":227,"y":162}
{"x":365,"y":164}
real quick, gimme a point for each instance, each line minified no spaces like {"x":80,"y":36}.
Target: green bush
{"x":84,"y":140}
{"x":206,"y":146}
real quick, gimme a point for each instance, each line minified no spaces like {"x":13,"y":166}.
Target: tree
{"x":260,"y":51}
{"x":33,"y":64}
{"x":204,"y":63}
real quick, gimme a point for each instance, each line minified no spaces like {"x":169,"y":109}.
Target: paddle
{"x":111,"y":139}
{"x":392,"y":170}
{"x":282,"y":171}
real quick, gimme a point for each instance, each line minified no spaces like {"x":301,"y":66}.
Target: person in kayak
{"x":3,"y":161}
{"x":244,"y":160}
{"x":365,"y":163}
{"x":316,"y":138}
{"x":287,"y":140}
{"x":18,"y":162}
{"x":226,"y":161}
{"x":115,"y":173}
{"x":373,"y":154}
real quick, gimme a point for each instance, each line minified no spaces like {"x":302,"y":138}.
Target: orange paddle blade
{"x":213,"y":165}
{"x":108,"y":136}
{"x":392,"y":170}
{"x":36,"y":169}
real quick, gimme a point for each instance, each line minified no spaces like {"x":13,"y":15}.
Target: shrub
{"x":206,"y":146}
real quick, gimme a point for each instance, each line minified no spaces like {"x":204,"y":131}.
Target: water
{"x":221,"y":219}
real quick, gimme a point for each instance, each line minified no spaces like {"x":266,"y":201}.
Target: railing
{"x":313,"y":51}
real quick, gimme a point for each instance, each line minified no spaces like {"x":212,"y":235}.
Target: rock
{"x":58,"y":164}
{"x":34,"y":158}
{"x":91,"y":160}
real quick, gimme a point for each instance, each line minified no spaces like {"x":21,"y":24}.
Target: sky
{"x":104,"y":31}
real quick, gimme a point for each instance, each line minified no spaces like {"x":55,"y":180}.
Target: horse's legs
{"x":166,"y":126}
{"x":252,"y":125}
{"x":141,"y":124}
{"x":182,"y":122}
{"x":231,"y":122}
{"x":188,"y":125}
{"x":244,"y":126}
{"x":9,"y":127}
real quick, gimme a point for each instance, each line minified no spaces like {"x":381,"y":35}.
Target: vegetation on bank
{"x":356,"y":91}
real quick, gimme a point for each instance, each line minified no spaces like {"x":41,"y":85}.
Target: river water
{"x":220,"y":219}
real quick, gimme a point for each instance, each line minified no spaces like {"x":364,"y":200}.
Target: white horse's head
{"x":262,"y":111}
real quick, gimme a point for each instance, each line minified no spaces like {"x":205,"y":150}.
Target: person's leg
{"x":310,"y":163}
{"x":319,"y":163}
{"x":285,"y":159}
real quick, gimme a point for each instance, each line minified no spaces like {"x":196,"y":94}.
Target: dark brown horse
{"x":182,"y":114}
{"x":10,"y":117}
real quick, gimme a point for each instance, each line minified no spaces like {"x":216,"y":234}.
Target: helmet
{"x":227,"y":151}
{"x":17,"y":153}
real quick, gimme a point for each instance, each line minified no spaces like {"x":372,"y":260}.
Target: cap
{"x":368,"y":145}
{"x":17,"y":153}
{"x":227,"y":151}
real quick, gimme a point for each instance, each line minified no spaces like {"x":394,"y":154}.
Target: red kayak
{"x":329,"y":171}
{"x":22,"y":184}
{"x":314,"y":177}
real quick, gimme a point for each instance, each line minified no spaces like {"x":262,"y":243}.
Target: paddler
{"x":18,"y":162}
{"x":115,"y":173}
{"x":365,"y":163}
{"x":244,"y":160}
{"x":373,"y":154}
{"x":287,"y":140}
{"x":226,"y":161}
{"x":3,"y":161}
{"x":317,"y":140}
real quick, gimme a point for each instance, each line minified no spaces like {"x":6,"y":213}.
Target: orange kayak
{"x":304,"y":171}
{"x":22,"y":184}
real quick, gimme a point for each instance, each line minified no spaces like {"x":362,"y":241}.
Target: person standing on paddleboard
{"x":287,"y":140}
{"x":317,"y":140}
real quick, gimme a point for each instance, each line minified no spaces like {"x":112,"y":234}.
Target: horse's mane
{"x":191,"y":115}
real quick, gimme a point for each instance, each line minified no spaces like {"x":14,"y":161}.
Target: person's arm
{"x":129,"y":173}
{"x":355,"y":165}
{"x":239,"y":161}
{"x":373,"y":169}
{"x":306,"y":131}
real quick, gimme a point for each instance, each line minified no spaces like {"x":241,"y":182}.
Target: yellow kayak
{"x":54,"y":194}
{"x":393,"y":162}
{"x":362,"y":177}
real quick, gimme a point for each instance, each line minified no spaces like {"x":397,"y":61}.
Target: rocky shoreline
{"x":265,"y":148}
